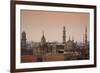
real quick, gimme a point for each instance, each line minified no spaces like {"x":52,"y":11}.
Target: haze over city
{"x":34,"y":23}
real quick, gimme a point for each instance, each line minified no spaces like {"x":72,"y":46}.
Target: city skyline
{"x":34,"y":23}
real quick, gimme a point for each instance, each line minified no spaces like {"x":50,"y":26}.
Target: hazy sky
{"x":34,"y":23}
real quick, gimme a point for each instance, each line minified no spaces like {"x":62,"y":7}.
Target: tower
{"x":64,"y":35}
{"x":85,"y":50}
{"x":23,"y":44}
{"x":43,"y":40}
{"x":23,"y":40}
{"x":85,"y":37}
{"x":43,"y":47}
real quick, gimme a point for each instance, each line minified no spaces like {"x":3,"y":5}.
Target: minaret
{"x":85,"y":37}
{"x":43,"y":40}
{"x":64,"y":35}
{"x":23,"y":40}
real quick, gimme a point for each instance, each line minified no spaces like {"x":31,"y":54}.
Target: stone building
{"x":23,"y":44}
{"x":56,"y":51}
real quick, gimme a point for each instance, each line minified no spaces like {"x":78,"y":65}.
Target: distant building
{"x":53,"y":51}
{"x":23,"y":44}
{"x":85,"y":50}
{"x":25,"y":47}
{"x":23,"y":40}
{"x":60,"y":48}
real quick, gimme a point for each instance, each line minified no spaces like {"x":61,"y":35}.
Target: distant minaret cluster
{"x":55,"y":51}
{"x":64,"y":36}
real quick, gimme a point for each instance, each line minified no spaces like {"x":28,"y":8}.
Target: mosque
{"x":54,"y":51}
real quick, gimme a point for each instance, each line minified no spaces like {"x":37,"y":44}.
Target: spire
{"x":43,"y":40}
{"x":85,"y":33}
{"x":86,"y":36}
{"x":64,"y":35}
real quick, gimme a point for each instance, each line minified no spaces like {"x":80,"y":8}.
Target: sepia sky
{"x":34,"y":23}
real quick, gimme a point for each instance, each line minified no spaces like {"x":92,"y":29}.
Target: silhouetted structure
{"x":24,"y":50}
{"x":55,"y":51}
{"x":64,"y":35}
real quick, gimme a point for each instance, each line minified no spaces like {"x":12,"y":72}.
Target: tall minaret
{"x":85,"y":37}
{"x":64,"y":35}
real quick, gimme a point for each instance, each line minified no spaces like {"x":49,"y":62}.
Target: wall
{"x":5,"y":36}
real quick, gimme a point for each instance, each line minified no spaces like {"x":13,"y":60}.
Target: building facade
{"x":50,"y":51}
